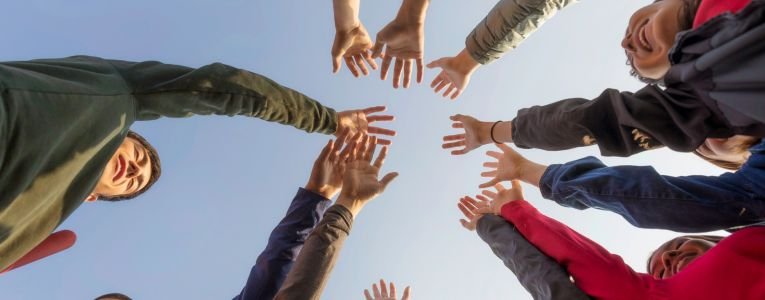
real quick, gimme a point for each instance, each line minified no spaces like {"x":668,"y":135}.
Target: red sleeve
{"x":712,"y":8}
{"x":597,"y":272}
{"x":56,"y":242}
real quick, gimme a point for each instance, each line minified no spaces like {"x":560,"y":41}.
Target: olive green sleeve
{"x":178,"y":91}
{"x":507,"y":25}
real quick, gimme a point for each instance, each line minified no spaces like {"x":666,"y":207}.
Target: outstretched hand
{"x":467,"y":206}
{"x":360,"y":183}
{"x":475,"y":135}
{"x":360,"y":120}
{"x":499,"y":198}
{"x":354,"y":46}
{"x":404,"y":41}
{"x":328,"y":169}
{"x":383,"y":294}
{"x":455,"y":74}
{"x":509,"y":166}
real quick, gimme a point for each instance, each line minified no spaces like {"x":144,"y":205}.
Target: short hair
{"x":156,"y":169}
{"x":709,"y":238}
{"x":685,"y":17}
{"x":731,"y":166}
{"x":118,"y":296}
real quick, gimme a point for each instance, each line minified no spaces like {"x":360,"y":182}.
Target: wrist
{"x":413,"y":12}
{"x":351,"y":204}
{"x":465,"y":63}
{"x":532,"y":172}
{"x":324,"y":191}
{"x":484,"y":132}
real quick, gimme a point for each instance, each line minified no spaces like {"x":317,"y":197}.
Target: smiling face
{"x":650,"y":35}
{"x":675,"y":255}
{"x":127,"y":172}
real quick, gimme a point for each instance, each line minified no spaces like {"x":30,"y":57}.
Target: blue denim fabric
{"x":649,"y":200}
{"x":284,"y":244}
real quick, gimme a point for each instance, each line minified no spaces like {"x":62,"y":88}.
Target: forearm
{"x":596,"y":272}
{"x":413,"y":11}
{"x":284,"y":243}
{"x":507,"y":25}
{"x":346,"y":14}
{"x":320,"y":252}
{"x":540,"y":275}
{"x":648,"y":199}
{"x":177,"y":91}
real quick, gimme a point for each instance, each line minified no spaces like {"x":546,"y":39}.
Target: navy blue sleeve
{"x":284,"y":244}
{"x":650,"y":200}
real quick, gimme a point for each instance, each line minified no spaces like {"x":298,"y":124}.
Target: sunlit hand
{"x":404,"y":41}
{"x":499,"y":198}
{"x":383,"y":294}
{"x":476,"y":135}
{"x":360,"y":120}
{"x":360,"y":183}
{"x":354,"y":46}
{"x":328,"y":169}
{"x":509,"y":166}
{"x":467,"y":206}
{"x":455,"y":74}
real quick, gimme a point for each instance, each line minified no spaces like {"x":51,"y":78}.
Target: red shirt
{"x":734,"y":269}
{"x":712,"y":8}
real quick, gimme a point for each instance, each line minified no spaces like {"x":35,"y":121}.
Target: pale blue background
{"x":227,"y":181}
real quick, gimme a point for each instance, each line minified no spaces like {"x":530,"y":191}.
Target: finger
{"x":420,"y":70}
{"x":465,"y":211}
{"x":324,"y":154}
{"x":370,"y":149}
{"x":440,"y":85}
{"x":482,"y":198}
{"x":375,"y":290}
{"x":373,"y":109}
{"x":457,"y":118}
{"x":378,"y":47}
{"x":459,"y":152}
{"x":392,"y":290}
{"x":351,"y":66}
{"x":456,"y":94}
{"x":449,"y":90}
{"x":453,"y":144}
{"x":367,"y":295}
{"x":383,"y":141}
{"x":388,"y":178}
{"x":436,"y":80}
{"x":363,"y":146}
{"x":505,"y":148}
{"x":397,"y":72}
{"x":489,"y":194}
{"x":370,"y":60}
{"x":354,"y":152}
{"x":483,"y":210}
{"x":454,"y":137}
{"x":383,"y":131}
{"x":385,"y":65}
{"x":516,"y":184}
{"x":489,"y":173}
{"x":489,"y":183}
{"x":336,"y":62}
{"x":467,"y":224}
{"x":494,"y":154}
{"x":383,"y":289}
{"x":376,"y":118}
{"x":499,"y":187}
{"x":381,"y":157}
{"x":346,"y":152}
{"x":470,"y":202}
{"x":458,"y":125}
{"x":491,"y":164}
{"x":407,"y":72}
{"x":360,"y":63}
{"x":407,"y":290}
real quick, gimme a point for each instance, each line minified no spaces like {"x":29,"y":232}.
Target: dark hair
{"x":685,"y":18}
{"x":732,"y":166}
{"x":118,"y":296}
{"x":156,"y":169}
{"x":709,"y":238}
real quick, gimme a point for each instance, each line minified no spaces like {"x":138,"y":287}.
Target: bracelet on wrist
{"x":491,"y":132}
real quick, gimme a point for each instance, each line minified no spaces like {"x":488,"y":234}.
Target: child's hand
{"x":510,"y":165}
{"x":455,"y":74}
{"x":467,"y":206}
{"x":501,"y":197}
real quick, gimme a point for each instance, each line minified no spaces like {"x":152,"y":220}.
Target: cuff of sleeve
{"x":475,"y":51}
{"x":514,"y":211}
{"x":302,"y":192}
{"x":547,"y":181}
{"x":487,"y":223}
{"x":340,"y":212}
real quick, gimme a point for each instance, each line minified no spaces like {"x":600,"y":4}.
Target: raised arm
{"x":539,"y":274}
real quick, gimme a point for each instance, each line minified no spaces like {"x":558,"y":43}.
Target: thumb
{"x":466,"y":224}
{"x":388,"y":178}
{"x":457,"y":117}
{"x":490,"y":183}
{"x":437,"y":63}
{"x":379,"y":44}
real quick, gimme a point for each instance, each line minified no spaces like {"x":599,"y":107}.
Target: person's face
{"x":127,"y":172}
{"x":674,"y":256}
{"x":650,"y":34}
{"x":727,"y":149}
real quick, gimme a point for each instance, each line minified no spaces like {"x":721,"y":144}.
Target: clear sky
{"x":227,"y":181}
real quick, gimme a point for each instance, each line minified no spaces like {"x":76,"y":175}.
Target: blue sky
{"x":227,"y":181}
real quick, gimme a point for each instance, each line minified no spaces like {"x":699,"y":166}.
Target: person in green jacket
{"x":62,"y":121}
